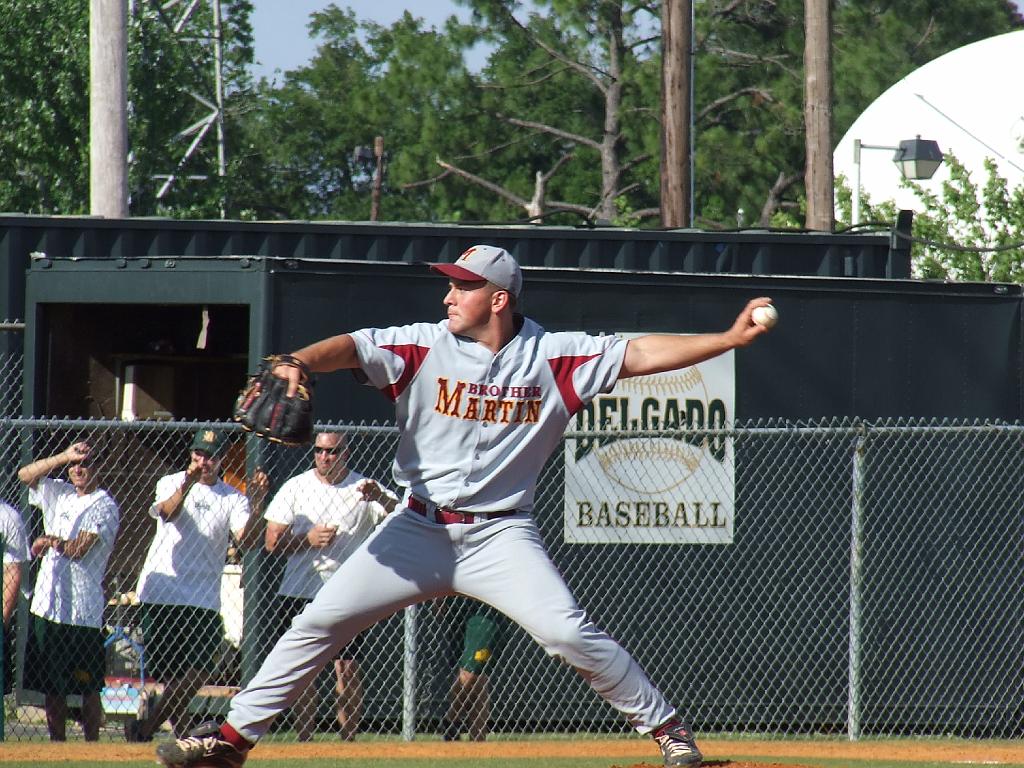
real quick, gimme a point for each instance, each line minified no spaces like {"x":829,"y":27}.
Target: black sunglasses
{"x":322,"y":449}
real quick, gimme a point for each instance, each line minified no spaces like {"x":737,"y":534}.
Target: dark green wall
{"x":845,"y":347}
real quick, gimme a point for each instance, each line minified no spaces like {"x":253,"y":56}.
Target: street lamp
{"x":366,"y":157}
{"x":916,"y":158}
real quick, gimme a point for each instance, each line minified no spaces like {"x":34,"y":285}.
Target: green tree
{"x":405,"y":83}
{"x":562,"y":121}
{"x":533,"y":133}
{"x":44,"y":96}
{"x":967,"y":231}
{"x":566,"y":95}
{"x":970,"y":231}
{"x":581,"y":81}
{"x":749,"y":81}
{"x":168,"y":72}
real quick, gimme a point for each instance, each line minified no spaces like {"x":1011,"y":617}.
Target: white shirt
{"x":476,"y":427}
{"x":185,"y":562}
{"x":12,"y":532}
{"x":304,"y":502}
{"x":71,"y":591}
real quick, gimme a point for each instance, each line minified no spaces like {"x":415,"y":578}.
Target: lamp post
{"x":366,"y":157}
{"x":916,"y":159}
{"x":378,"y":177}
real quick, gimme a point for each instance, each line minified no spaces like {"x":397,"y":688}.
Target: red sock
{"x":233,"y":737}
{"x":660,"y":730}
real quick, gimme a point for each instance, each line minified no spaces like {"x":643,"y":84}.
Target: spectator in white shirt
{"x":318,"y":518}
{"x":15,"y":552}
{"x":196,"y":515}
{"x":65,"y":653}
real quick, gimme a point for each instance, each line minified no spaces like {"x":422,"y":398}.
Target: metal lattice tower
{"x":181,"y":16}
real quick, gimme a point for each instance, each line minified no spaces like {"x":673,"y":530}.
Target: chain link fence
{"x":11,"y":332}
{"x":872,"y":585}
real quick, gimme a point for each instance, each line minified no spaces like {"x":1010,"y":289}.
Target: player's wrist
{"x":292,"y":361}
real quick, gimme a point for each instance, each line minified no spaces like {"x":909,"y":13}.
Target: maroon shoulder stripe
{"x":563,"y":368}
{"x":413,"y":355}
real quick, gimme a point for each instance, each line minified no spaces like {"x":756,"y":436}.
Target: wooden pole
{"x":108,"y":110}
{"x":676,"y":33}
{"x":818,"y":174}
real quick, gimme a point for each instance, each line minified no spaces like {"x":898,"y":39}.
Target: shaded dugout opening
{"x":134,"y":361}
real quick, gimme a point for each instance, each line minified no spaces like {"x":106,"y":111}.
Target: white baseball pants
{"x":409,"y":559}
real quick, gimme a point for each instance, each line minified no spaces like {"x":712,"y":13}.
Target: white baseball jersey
{"x":185,"y":562}
{"x":71,"y":591}
{"x":15,"y":543}
{"x":476,"y":427}
{"x":304,"y":502}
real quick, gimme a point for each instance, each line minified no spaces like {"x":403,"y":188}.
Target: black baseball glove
{"x":264,"y":408}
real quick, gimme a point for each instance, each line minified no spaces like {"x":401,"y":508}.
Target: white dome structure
{"x":965,"y":100}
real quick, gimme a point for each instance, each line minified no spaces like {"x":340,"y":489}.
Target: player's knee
{"x":565,"y":641}
{"x":584,"y":647}
{"x":317,"y":624}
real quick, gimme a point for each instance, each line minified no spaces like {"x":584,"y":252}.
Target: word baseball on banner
{"x":628,"y":488}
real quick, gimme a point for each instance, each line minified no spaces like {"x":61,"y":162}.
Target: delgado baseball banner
{"x":623,"y":489}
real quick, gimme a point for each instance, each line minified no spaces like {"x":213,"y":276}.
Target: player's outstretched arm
{"x":656,"y":353}
{"x":324,"y":356}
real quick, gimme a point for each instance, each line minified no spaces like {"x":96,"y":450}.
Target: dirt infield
{"x":631,"y":753}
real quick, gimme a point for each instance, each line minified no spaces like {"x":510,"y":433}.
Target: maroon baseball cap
{"x":485,"y":262}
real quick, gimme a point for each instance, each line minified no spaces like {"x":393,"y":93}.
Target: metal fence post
{"x":856,"y":577}
{"x":261,"y":573}
{"x":409,"y":674}
{"x":3,"y":640}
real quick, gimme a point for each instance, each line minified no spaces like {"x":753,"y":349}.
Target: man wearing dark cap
{"x":482,"y":399}
{"x":179,"y":588}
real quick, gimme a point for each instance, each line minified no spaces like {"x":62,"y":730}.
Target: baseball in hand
{"x":767,"y":316}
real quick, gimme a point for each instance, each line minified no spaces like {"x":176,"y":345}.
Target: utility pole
{"x":676,"y":112}
{"x":108,"y":108}
{"x":378,"y":177}
{"x":818,"y":174}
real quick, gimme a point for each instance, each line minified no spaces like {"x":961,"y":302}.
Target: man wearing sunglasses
{"x":482,"y":399}
{"x":317,"y":519}
{"x":65,"y":653}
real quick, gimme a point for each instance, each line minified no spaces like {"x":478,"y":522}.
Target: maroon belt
{"x":448,"y":516}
